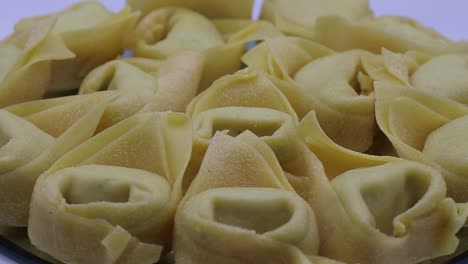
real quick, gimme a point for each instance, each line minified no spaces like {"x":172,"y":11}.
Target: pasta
{"x":145,"y":85}
{"x":394,"y":33}
{"x":29,"y":62}
{"x":414,"y":120}
{"x":167,"y":32}
{"x":298,"y":17}
{"x":89,"y":31}
{"x":105,"y":189}
{"x":335,"y":85}
{"x":210,"y":8}
{"x":34,"y":136}
{"x":232,"y":225}
{"x":184,"y":131}
{"x":245,"y":88}
{"x":442,"y":75}
{"x":223,"y":201}
{"x":359,"y":205}
{"x":276,"y":128}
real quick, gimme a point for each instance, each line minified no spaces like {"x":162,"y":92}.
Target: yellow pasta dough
{"x":145,"y":85}
{"x":245,"y":88}
{"x":276,"y":128}
{"x":167,"y":32}
{"x":335,"y":85}
{"x":210,"y":8}
{"x":410,"y":117}
{"x":397,"y":34}
{"x":25,"y":69}
{"x":391,"y":213}
{"x":87,"y":29}
{"x":298,"y":17}
{"x":335,"y":159}
{"x":35,"y":135}
{"x":139,"y":197}
{"x":89,"y":208}
{"x":245,"y":225}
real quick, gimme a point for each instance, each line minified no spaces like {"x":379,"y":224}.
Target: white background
{"x":447,"y":16}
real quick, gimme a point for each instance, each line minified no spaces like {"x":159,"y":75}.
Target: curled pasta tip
{"x":257,"y":224}
{"x":99,"y":209}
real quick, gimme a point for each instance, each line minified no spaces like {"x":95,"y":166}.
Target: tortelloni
{"x":87,"y":29}
{"x":398,"y":34}
{"x":25,"y":70}
{"x":33,"y":136}
{"x":275,"y":128}
{"x":298,"y":17}
{"x":335,"y":85}
{"x":170,"y":31}
{"x":427,"y":129}
{"x":240,"y":208}
{"x":146,"y":85}
{"x":391,"y":213}
{"x":113,"y":198}
{"x":245,"y":225}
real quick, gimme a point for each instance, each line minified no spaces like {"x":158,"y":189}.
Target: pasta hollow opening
{"x":236,"y":127}
{"x":85,"y":191}
{"x":258,"y":216}
{"x":385,"y":202}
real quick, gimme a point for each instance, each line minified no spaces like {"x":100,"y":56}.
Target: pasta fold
{"x":419,"y":124}
{"x":114,"y":195}
{"x":245,"y":88}
{"x":34,"y":136}
{"x":275,"y":128}
{"x":87,"y":29}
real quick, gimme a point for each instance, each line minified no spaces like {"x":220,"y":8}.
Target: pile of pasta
{"x":336,"y":137}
